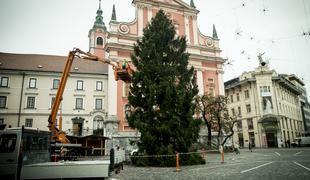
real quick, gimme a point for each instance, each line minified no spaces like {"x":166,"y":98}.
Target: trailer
{"x":66,"y":169}
{"x":25,"y":154}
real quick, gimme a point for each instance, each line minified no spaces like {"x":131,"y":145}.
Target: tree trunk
{"x":209,"y":137}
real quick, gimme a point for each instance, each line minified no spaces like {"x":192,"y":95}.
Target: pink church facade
{"x":116,"y":44}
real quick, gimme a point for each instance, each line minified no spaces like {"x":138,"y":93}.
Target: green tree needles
{"x":162,"y":92}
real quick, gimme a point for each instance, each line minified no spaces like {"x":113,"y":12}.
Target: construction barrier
{"x":209,"y":156}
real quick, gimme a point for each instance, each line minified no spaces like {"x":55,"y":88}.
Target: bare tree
{"x":203,"y":109}
{"x":214,"y":112}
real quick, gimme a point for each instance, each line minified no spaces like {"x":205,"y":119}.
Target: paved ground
{"x":260,"y":164}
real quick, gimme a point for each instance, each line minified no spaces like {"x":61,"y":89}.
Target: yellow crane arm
{"x":120,"y":73}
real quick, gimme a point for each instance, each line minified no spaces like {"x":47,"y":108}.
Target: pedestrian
{"x":250,"y":146}
{"x":92,"y":152}
{"x":237,"y":149}
{"x":289,"y":143}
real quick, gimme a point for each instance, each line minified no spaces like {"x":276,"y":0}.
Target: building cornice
{"x":45,"y":73}
{"x":239,"y":83}
{"x":288,"y":85}
{"x":183,"y":6}
{"x":206,"y":58}
{"x":117,"y":46}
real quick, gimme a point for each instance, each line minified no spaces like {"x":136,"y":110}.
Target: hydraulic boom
{"x":121,"y":72}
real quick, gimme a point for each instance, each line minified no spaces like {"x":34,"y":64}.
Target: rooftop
{"x":49,"y":63}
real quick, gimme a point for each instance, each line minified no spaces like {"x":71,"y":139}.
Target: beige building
{"x":267,"y":107}
{"x":28,"y":86}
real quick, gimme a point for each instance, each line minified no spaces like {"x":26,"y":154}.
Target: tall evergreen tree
{"x":163,"y":90}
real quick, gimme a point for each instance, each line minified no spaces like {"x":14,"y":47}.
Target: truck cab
{"x":22,"y":146}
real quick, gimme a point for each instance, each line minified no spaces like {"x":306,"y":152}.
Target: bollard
{"x":222,"y":157}
{"x":177,"y":169}
{"x":222,"y":153}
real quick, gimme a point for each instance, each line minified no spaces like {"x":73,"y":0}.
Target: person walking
{"x":289,"y":143}
{"x":250,"y":146}
{"x":237,"y":149}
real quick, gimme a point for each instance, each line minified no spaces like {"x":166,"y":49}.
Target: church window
{"x":99,"y":41}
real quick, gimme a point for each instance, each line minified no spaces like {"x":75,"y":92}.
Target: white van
{"x":301,"y":142}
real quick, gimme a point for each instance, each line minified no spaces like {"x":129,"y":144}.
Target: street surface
{"x":261,"y":164}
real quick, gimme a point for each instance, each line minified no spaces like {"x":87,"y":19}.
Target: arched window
{"x":99,"y":41}
{"x":98,"y":122}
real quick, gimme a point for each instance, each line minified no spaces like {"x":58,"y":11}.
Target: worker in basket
{"x":125,"y":65}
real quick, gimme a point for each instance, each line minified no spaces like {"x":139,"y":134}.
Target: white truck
{"x":25,"y":154}
{"x":301,"y":142}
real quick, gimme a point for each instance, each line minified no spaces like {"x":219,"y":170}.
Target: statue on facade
{"x":261,"y":61}
{"x":267,"y":106}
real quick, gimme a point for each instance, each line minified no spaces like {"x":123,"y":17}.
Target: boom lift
{"x":122,"y":72}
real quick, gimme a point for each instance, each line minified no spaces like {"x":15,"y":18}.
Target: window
{"x":28,"y":122}
{"x":56,"y":83}
{"x":98,"y":105}
{"x":1,"y":121}
{"x":246,"y":94}
{"x":233,"y":112}
{"x":248,"y":108}
{"x":239,"y":125}
{"x":52,"y":101}
{"x":99,"y":41}
{"x":238,"y":97}
{"x":98,"y":124}
{"x":264,"y":88}
{"x":239,"y":111}
{"x":79,"y":85}
{"x":3,"y":101}
{"x":7,"y":143}
{"x":32,"y":83}
{"x":211,"y":91}
{"x":99,"y":86}
{"x":4,"y":82}
{"x":210,"y":80}
{"x":31,"y":102}
{"x":250,"y":124}
{"x":79,"y":103}
{"x":231,"y":98}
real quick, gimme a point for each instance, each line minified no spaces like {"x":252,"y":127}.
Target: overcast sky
{"x":245,"y":28}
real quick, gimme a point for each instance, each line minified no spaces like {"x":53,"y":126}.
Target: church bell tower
{"x":97,"y":35}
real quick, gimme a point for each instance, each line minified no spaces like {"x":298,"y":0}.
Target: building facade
{"x":267,"y":107}
{"x":28,"y":86}
{"x":116,"y":44}
{"x":304,"y":103}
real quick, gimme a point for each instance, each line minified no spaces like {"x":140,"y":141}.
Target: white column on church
{"x":221,"y":82}
{"x":195,"y":30}
{"x":200,"y":82}
{"x":112,"y":93}
{"x":140,"y":20}
{"x":149,"y":13}
{"x":187,"y":27}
